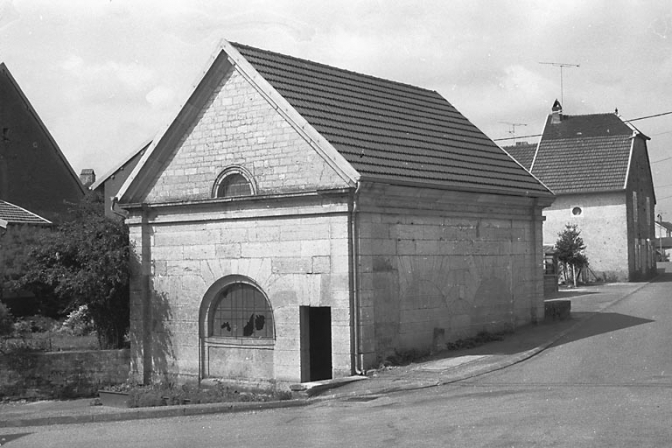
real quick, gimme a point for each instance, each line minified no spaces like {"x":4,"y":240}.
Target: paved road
{"x":607,"y":384}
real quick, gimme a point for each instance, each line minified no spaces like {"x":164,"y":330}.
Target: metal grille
{"x":234,"y":185}
{"x":242,"y":311}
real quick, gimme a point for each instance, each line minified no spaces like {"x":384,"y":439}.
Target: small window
{"x":577,"y":211}
{"x":234,"y":182}
{"x":234,"y":185}
{"x":241,"y":311}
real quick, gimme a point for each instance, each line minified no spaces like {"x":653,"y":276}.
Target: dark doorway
{"x":315,"y":343}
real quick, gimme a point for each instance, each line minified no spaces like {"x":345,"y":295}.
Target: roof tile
{"x":392,"y":131}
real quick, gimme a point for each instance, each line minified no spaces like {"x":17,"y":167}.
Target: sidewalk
{"x":444,"y":368}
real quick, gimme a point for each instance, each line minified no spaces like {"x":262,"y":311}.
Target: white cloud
{"x":161,"y":97}
{"x":131,"y":76}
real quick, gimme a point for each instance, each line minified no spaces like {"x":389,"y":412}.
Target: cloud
{"x":8,"y":13}
{"x":132,"y":76}
{"x":161,"y":97}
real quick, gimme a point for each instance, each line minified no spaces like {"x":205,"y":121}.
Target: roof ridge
{"x":332,"y":67}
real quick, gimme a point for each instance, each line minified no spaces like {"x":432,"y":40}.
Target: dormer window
{"x":234,"y":182}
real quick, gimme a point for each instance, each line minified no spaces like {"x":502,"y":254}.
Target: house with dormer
{"x":298,"y":222}
{"x":598,"y":167}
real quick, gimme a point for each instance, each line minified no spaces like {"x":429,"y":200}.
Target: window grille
{"x":241,"y":311}
{"x":234,"y":185}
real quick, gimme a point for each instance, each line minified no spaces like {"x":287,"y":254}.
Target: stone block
{"x":557,"y":309}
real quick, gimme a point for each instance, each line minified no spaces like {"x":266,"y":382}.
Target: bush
{"x":78,"y":323}
{"x":6,"y":321}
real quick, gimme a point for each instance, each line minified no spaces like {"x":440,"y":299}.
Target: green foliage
{"x":78,"y":323}
{"x":85,"y":262}
{"x":6,"y":321}
{"x":570,"y":247}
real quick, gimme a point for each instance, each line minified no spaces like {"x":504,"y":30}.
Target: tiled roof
{"x":13,"y":214}
{"x":523,"y":153}
{"x":584,"y":153}
{"x":390,"y":131}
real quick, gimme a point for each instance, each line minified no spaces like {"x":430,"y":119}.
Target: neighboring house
{"x":13,"y":219}
{"x":12,"y":215}
{"x":110,"y":183}
{"x":663,"y":239}
{"x":298,"y":222}
{"x":598,"y":167}
{"x":34,"y":173}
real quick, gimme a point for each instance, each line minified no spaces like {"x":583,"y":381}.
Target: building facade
{"x":298,"y":222}
{"x":598,"y":168}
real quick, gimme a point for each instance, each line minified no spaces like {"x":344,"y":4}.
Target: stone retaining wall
{"x":61,"y":374}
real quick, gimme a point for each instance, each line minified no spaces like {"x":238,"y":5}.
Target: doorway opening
{"x":316,"y":361}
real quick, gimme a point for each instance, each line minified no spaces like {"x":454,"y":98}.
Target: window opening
{"x":234,"y":185}
{"x":577,"y":211}
{"x":241,"y":311}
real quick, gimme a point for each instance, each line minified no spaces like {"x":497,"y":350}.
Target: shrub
{"x":78,"y":323}
{"x":6,"y":321}
{"x":166,"y":394}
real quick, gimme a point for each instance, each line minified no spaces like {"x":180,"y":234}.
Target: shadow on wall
{"x":162,"y":355}
{"x":151,"y":336}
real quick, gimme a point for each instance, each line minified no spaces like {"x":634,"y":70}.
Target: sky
{"x":106,"y":75}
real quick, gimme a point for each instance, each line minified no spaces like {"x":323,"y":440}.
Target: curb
{"x":152,"y":412}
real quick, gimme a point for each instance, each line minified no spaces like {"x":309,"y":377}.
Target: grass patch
{"x":166,"y":394}
{"x":481,"y":338}
{"x":404,"y":358}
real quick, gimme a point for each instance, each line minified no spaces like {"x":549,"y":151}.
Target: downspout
{"x":354,"y":283}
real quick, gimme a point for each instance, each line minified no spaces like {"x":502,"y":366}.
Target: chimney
{"x":87,"y":177}
{"x":556,"y":115}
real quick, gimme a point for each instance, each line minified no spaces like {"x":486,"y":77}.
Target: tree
{"x":570,"y":249}
{"x":85,"y":262}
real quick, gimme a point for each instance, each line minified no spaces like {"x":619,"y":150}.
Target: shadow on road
{"x":600,"y":323}
{"x":665,"y":277}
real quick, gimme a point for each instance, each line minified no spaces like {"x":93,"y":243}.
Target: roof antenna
{"x":561,"y":65}
{"x":512,"y":130}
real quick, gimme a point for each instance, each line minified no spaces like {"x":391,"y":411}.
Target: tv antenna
{"x":561,"y":65}
{"x":512,"y":130}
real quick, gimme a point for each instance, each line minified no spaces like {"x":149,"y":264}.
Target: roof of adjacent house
{"x":522,"y":152}
{"x":392,"y":131}
{"x":584,"y":153}
{"x":13,"y":214}
{"x":120,"y":165}
{"x":665,"y":224}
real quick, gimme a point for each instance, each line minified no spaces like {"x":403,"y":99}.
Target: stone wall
{"x":436,"y":266}
{"x":296,"y":251}
{"x":238,"y":127}
{"x":61,"y":374}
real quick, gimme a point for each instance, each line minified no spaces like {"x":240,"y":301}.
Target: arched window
{"x":241,"y":311}
{"x":234,"y":182}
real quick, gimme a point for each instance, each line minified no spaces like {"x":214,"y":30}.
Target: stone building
{"x":598,"y":167}
{"x":297,"y":222}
